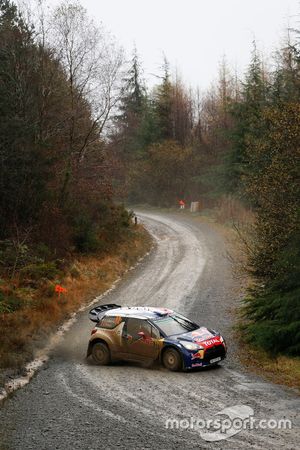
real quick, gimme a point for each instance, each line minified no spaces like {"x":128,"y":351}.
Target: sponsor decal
{"x":208,"y":343}
{"x":158,"y":343}
{"x":211,"y":342}
{"x":197,"y":364}
{"x":202,"y":334}
{"x":148,"y":340}
{"x":198,"y":355}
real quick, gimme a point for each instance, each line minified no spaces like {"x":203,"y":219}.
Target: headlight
{"x":191,"y":345}
{"x":223,"y":341}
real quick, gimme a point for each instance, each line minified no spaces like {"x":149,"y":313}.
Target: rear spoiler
{"x":96,"y":313}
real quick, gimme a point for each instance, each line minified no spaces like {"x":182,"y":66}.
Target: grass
{"x":27,"y":329}
{"x":282,"y":369}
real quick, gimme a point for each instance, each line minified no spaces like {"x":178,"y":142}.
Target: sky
{"x":195,"y":34}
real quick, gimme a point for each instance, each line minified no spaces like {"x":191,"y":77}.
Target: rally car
{"x":146,"y":334}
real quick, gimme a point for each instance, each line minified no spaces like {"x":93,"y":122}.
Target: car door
{"x":140,"y":339}
{"x":111,"y":328}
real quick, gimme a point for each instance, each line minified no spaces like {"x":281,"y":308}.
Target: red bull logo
{"x":198,"y":355}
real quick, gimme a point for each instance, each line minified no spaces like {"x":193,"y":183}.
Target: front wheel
{"x":172,"y":360}
{"x":101,"y":353}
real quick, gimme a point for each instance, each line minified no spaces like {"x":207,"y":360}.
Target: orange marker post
{"x":60,"y":290}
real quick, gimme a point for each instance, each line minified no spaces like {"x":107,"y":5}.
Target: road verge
{"x":27,"y":335}
{"x":280,"y":369}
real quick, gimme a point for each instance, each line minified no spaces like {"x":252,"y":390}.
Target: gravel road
{"x":73,"y":404}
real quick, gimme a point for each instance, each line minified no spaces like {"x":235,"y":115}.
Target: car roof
{"x":140,"y":312}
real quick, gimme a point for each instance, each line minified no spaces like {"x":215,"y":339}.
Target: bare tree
{"x":92,"y":62}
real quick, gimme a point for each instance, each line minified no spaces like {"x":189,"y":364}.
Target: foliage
{"x":62,"y":166}
{"x":273,"y":186}
{"x":50,"y":146}
{"x":164,"y":176}
{"x":272,"y":183}
{"x":274,"y":309}
{"x":163,"y":105}
{"x":153,"y":139}
{"x":59,"y":87}
{"x":37,"y":272}
{"x":246,"y":115}
{"x":241,"y":139}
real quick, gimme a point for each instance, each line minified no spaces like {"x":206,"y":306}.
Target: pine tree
{"x":246,"y":116}
{"x":163,"y":105}
{"x":132,"y":111}
{"x":286,"y":78}
{"x":23,"y":170}
{"x":273,"y":187}
{"x":134,"y":90}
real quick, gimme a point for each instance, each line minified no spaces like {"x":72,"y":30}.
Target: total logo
{"x":210,"y":342}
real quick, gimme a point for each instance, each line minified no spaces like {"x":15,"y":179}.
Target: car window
{"x":155,"y":333}
{"x":175,"y":324}
{"x":135,"y":326}
{"x":110,"y":322}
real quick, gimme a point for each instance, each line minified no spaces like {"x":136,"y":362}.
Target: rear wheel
{"x":171,"y":359}
{"x":101,"y":353}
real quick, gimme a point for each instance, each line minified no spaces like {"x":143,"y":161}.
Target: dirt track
{"x":72,"y":404}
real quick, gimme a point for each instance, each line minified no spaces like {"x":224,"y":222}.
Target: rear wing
{"x":96,"y":313}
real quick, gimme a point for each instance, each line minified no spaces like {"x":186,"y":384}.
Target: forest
{"x":237,"y":143}
{"x":82,"y":134}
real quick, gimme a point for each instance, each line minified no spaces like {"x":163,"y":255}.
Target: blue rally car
{"x":146,"y":334}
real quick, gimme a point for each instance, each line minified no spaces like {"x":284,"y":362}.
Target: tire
{"x":172,"y":360}
{"x":101,"y":354}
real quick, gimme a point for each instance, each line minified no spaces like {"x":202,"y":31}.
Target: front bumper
{"x":212,"y":355}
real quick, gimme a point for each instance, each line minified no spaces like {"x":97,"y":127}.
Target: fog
{"x":195,"y":34}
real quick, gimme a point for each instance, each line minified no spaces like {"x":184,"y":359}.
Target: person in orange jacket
{"x":182,"y":204}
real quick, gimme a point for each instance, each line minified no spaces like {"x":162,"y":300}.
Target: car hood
{"x":202,"y":336}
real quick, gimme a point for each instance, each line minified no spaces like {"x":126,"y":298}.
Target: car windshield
{"x":175,"y":324}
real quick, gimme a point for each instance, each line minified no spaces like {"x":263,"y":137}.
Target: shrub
{"x":10,"y":303}
{"x":96,"y":228}
{"x":4,"y":305}
{"x":74,"y":271}
{"x":85,"y":235}
{"x":13,"y":255}
{"x":274,"y":309}
{"x":38,"y":271}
